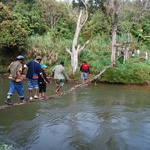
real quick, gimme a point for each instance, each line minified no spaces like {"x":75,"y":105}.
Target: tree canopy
{"x":12,"y":32}
{"x":46,"y":22}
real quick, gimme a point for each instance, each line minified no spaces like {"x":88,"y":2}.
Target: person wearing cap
{"x":15,"y":69}
{"x":42,"y":84}
{"x":34,"y":70}
{"x":59,"y":76}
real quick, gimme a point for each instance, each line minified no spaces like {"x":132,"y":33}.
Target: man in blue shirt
{"x":34,"y":69}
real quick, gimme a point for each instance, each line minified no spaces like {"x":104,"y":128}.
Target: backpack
{"x":85,"y":67}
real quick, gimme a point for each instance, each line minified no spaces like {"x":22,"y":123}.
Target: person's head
{"x":84,"y":62}
{"x":39,"y":58}
{"x":43,"y":67}
{"x":20,"y":58}
{"x":62,"y":63}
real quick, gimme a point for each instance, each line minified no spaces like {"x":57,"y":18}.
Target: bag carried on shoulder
{"x":85,"y":67}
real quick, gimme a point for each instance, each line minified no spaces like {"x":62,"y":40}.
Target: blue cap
{"x":20,"y":57}
{"x":43,"y":66}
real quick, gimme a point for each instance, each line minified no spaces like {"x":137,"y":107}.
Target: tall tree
{"x":76,"y":48}
{"x":12,"y":32}
{"x":115,"y":5}
{"x":50,"y":11}
{"x":113,"y":8}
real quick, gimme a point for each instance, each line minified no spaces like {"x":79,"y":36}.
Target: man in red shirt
{"x":84,"y":68}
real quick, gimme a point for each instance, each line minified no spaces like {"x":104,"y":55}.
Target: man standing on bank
{"x":84,"y":68}
{"x":34,"y":69}
{"x":15,"y":69}
{"x":60,"y":76}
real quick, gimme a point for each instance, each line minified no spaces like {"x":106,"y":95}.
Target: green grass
{"x":97,"y":53}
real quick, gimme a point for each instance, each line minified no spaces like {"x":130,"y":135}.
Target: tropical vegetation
{"x":47,"y":27}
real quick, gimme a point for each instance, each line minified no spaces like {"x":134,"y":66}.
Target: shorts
{"x":60,"y":82}
{"x":83,"y":75}
{"x":42,"y":88}
{"x":32,"y":84}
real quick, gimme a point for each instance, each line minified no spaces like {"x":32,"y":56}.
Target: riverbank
{"x":78,"y":80}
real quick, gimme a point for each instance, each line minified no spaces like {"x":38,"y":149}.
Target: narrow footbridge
{"x":64,"y":93}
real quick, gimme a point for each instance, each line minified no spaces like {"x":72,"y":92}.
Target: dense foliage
{"x":47,"y":27}
{"x":12,"y":32}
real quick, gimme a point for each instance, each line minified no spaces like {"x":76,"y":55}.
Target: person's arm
{"x":52,"y":73}
{"x":65,"y":75}
{"x":44,"y":74}
{"x":25,"y":66}
{"x":8,"y":69}
{"x":41,"y":74}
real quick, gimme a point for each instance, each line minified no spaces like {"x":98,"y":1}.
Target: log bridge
{"x":64,"y":93}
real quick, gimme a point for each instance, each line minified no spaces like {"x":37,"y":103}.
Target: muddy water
{"x":94,"y":117}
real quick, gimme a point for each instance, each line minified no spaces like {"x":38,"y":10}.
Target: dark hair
{"x":62,"y":63}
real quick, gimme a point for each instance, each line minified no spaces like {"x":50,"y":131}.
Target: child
{"x":42,"y":84}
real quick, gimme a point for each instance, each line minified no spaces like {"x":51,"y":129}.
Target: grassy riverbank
{"x":97,"y":54}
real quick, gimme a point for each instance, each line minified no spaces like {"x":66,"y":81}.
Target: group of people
{"x":137,"y":52}
{"x":36,"y":78}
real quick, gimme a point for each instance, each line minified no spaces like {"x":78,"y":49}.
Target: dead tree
{"x":76,"y":49}
{"x":115,"y":18}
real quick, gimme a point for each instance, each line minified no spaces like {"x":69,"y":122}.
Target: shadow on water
{"x":106,"y":117}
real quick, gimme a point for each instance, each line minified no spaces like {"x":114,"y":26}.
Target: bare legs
{"x":42,"y":96}
{"x":58,"y":90}
{"x":31,"y":93}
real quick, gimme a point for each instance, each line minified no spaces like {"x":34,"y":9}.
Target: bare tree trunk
{"x":114,"y":5}
{"x":113,"y":48}
{"x":76,"y":49}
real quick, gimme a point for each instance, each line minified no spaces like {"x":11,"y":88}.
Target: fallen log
{"x":10,"y":106}
{"x":64,"y":93}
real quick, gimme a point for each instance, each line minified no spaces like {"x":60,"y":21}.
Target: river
{"x":94,"y":117}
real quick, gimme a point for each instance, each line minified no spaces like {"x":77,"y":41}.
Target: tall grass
{"x":55,"y":51}
{"x":133,"y":72}
{"x":50,"y":50}
{"x":97,"y":53}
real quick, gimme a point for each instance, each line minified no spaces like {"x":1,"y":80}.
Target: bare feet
{"x":58,"y":92}
{"x":41,"y":98}
{"x":23,"y":101}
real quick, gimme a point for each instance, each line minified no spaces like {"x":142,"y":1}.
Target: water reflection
{"x":107,"y":117}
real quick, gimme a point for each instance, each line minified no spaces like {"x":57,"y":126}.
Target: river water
{"x":94,"y":117}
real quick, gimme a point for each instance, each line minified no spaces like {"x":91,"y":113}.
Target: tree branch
{"x":68,"y":50}
{"x":121,"y":44}
{"x":84,"y":45}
